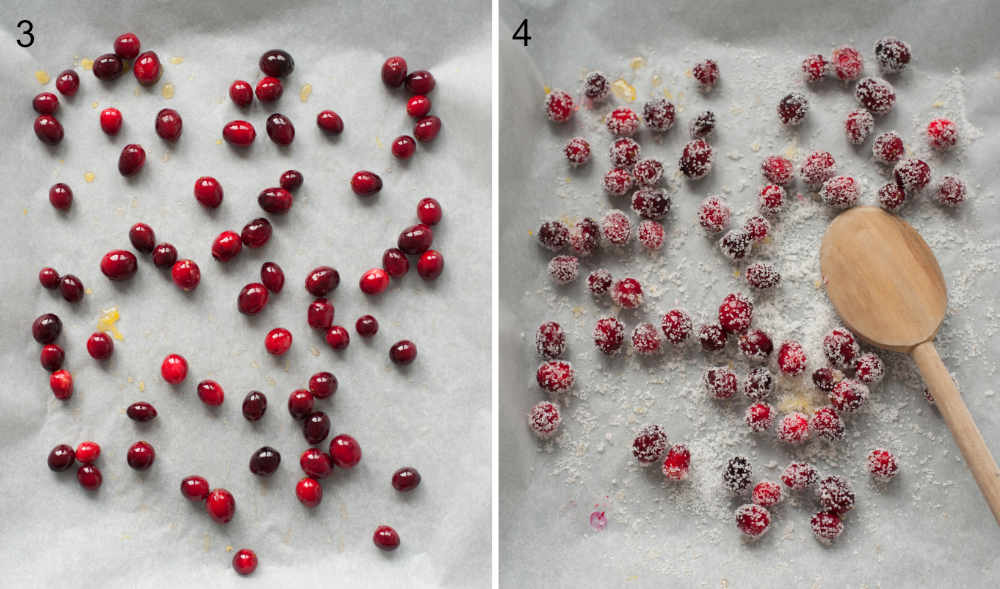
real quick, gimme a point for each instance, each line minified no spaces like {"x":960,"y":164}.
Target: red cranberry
{"x":252,"y":298}
{"x":142,"y":237}
{"x":322,"y":385}
{"x":254,"y":405}
{"x":395,"y":262}
{"x":240,"y":133}
{"x":735,"y":313}
{"x":658,"y":114}
{"x":244,"y":561}
{"x":703,"y":125}
{"x":777,"y":169}
{"x":309,"y":492}
{"x":814,"y":67}
{"x":46,"y":103}
{"x":164,"y":255}
{"x":290,"y":180}
{"x":345,"y":451}
{"x":676,"y":326}
{"x":596,"y":86}
{"x":430,"y":264}
{"x":241,"y":93}
{"x":756,"y":345}
{"x":365,"y":183}
{"x":256,"y":233}
{"x":61,"y":383}
{"x":835,"y":494}
{"x":882,"y":465}
{"x":649,"y":445}
{"x":221,"y":505}
{"x":374,"y":281}
{"x":111,"y":121}
{"x":169,"y":124}
{"x":208,"y":191}
{"x":366,"y":326}
{"x":429,"y":211}
{"x":677,"y":464}
{"x":100,"y":346}
{"x":174,"y":369}
{"x":403,"y":147}
{"x":707,"y":74}
{"x":186,"y":274}
{"x":415,"y":239}
{"x":577,"y":151}
{"x":300,"y":403}
{"x":330,"y":122}
{"x":427,"y":128}
{"x":337,"y":337}
{"x":792,"y":109}
{"x":316,"y":427}
{"x":147,"y":68}
{"x":420,"y":82}
{"x":394,"y":72}
{"x":912,"y":175}
{"x":48,"y":129}
{"x":119,"y":265}
{"x":141,"y":455}
{"x":272,"y":276}
{"x":265,"y":461}
{"x":696,"y":159}
{"x":275,"y":200}
{"x":942,"y":133}
{"x":403,"y":352}
{"x":386,"y":538}
{"x":876,"y":95}
{"x":127,"y":46}
{"x":280,"y":129}
{"x":826,"y":424}
{"x":226,"y":246}
{"x":608,"y":334}
{"x":89,"y":477}
{"x":132,"y":158}
{"x":892,"y":55}
{"x":315,"y":463}
{"x":61,"y":196}
{"x":847,"y":63}
{"x":622,"y":122}
{"x":759,"y":417}
{"x":791,"y":358}
{"x":418,"y":106}
{"x":61,"y":458}
{"x":194,"y":488}
{"x":141,"y":411}
{"x":891,"y":197}
{"x":278,"y":341}
{"x":67,"y":83}
{"x":720,"y":383}
{"x":818,"y":167}
{"x":211,"y":393}
{"x":269,"y":89}
{"x":48,"y":278}
{"x":322,"y":280}
{"x":88,"y":452}
{"x":277,"y":63}
{"x":320,"y":314}
{"x":405,"y":479}
{"x":46,"y":328}
{"x":888,"y":147}
{"x":712,"y":337}
{"x":753,"y":520}
{"x":71,"y":288}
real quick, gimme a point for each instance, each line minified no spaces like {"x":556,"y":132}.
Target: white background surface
{"x":930,"y":526}
{"x":137,"y":530}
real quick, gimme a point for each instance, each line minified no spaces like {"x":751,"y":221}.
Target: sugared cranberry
{"x":256,"y":233}
{"x":427,"y":128}
{"x":111,"y":121}
{"x":169,"y":124}
{"x":869,"y":369}
{"x":61,"y":383}
{"x":374,"y":281}
{"x":67,"y":82}
{"x":100,"y":346}
{"x":848,"y":395}
{"x":385,"y":538}
{"x":702,"y":125}
{"x":585,"y":237}
{"x":131,"y":160}
{"x":275,"y":200}
{"x":48,"y":278}
{"x":647,"y":172}
{"x":62,"y":457}
{"x":651,"y":234}
{"x":254,"y":405}
{"x":651,"y":203}
{"x":712,"y":337}
{"x":758,"y":227}
{"x":208,"y":191}
{"x":814,"y":68}
{"x":221,"y":505}
{"x":245,"y":561}
{"x":882,"y":465}
{"x":315,"y":463}
{"x":543,"y":420}
{"x":552,"y":235}
{"x":799,"y":475}
{"x":677,"y":463}
{"x":320,"y":314}
{"x":265,"y":461}
{"x":418,"y":106}
{"x":735,"y":313}
{"x":791,"y":358}
{"x":826,"y":424}
{"x":194,"y":488}
{"x":738,"y":475}
{"x":241,"y":93}
{"x":119,"y":265}
{"x":766,"y":493}
{"x":278,"y":341}
{"x":430,"y":265}
{"x":650,"y":444}
{"x":174,"y":369}
{"x":345,"y":451}
{"x":756,"y":345}
{"x":416,"y":239}
{"x":48,"y":129}
{"x":876,"y":95}
{"x":365,"y":183}
{"x":942,"y":133}
{"x":818,"y":167}
{"x":280,"y":129}
{"x":89,"y":477}
{"x":71,"y":288}
{"x":330,"y":122}
{"x":676,"y":325}
{"x":824,"y":378}
{"x":599,"y":282}
{"x":277,"y":63}
{"x":577,"y":151}
{"x":777,"y":169}
{"x":239,"y":133}
{"x":316,"y":427}
{"x":405,"y":479}
{"x":858,"y":126}
{"x":403,"y":352}
{"x":627,"y":293}
{"x":300,"y":403}
{"x":147,"y":68}
{"x":88,"y":452}
{"x":596,"y":86}
{"x":252,"y":298}
{"x":142,"y":237}
{"x":269,"y":89}
{"x":186,"y":274}
{"x":826,"y":526}
{"x":609,"y":333}
{"x":912,"y":175}
{"x":623,"y":122}
{"x":140,"y":455}
{"x":892,"y":54}
{"x":714,"y":214}
{"x":840,"y":192}
{"x":618,"y":181}
{"x":658,"y":114}
{"x":951,"y":191}
{"x":211,"y":393}
{"x":645,"y":339}
{"x":887,"y":147}
{"x":403,"y":147}
{"x":759,"y":417}
{"x":793,"y":428}
{"x":141,"y":411}
{"x":835,"y":494}
{"x":46,"y":103}
{"x":323,"y":384}
{"x":706,"y":73}
{"x":420,"y":82}
{"x":337,"y":337}
{"x":847,"y":63}
{"x":624,"y":152}
{"x":840,"y":347}
{"x":46,"y":328}
{"x":272,"y":276}
{"x":720,"y":383}
{"x":753,"y":520}
{"x":226,"y":246}
{"x":696,"y":159}
{"x":792,"y":109}
{"x":736,"y":244}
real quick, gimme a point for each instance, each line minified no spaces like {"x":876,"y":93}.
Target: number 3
{"x":27,"y":33}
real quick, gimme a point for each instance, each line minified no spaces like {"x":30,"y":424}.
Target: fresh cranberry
{"x":320,"y":314}
{"x":277,"y":63}
{"x":142,"y":237}
{"x":107,"y":67}
{"x":427,"y":128}
{"x":394,"y":72}
{"x":127,"y":46}
{"x":365,"y":183}
{"x":315,"y":463}
{"x":418,"y":106}
{"x":71,"y":288}
{"x":269,"y":89}
{"x":208,"y":191}
{"x":290,"y":180}
{"x":141,"y":411}
{"x":147,"y":68}
{"x":395,"y":262}
{"x":244,"y":561}
{"x":405,"y":479}
{"x":403,"y":147}
{"x":194,"y":488}
{"x":416,"y":239}
{"x":300,"y":403}
{"x":403,"y":352}
{"x":275,"y":200}
{"x":272,"y":276}
{"x":132,"y":158}
{"x":252,"y":298}
{"x":169,"y":124}
{"x":211,"y":393}
{"x":278,"y":341}
{"x":186,"y":274}
{"x":174,"y":369}
{"x":322,"y":385}
{"x":309,"y":492}
{"x":88,"y":452}
{"x":48,"y":278}
{"x":374,"y":281}
{"x":429,"y":211}
{"x":119,"y":265}
{"x":67,"y":83}
{"x":89,"y":477}
{"x":241,"y":93}
{"x":111,"y":121}
{"x":46,"y":328}
{"x":221,"y":505}
{"x":265,"y":461}
{"x":61,"y":383}
{"x":61,"y":458}
{"x":48,"y":129}
{"x":321,"y":280}
{"x":345,"y":451}
{"x":141,"y":455}
{"x":386,"y":538}
{"x":330,"y":122}
{"x":366,"y":326}
{"x":316,"y":427}
{"x":100,"y":346}
{"x":240,"y":133}
{"x":256,"y":233}
{"x":226,"y":246}
{"x":280,"y":129}
{"x":430,"y":265}
{"x":420,"y":82}
{"x":51,"y":357}
{"x":254,"y":405}
{"x":337,"y":337}
{"x":46,"y":103}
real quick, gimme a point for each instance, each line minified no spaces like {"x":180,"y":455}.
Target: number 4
{"x":521,"y":34}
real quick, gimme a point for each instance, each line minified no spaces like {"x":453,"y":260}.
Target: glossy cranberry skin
{"x":142,"y":237}
{"x":265,"y":461}
{"x":365,"y":183}
{"x":186,"y":274}
{"x":127,"y":46}
{"x":320,"y":314}
{"x":88,"y":452}
{"x":211,"y":393}
{"x":241,"y":93}
{"x":316,"y":427}
{"x":67,"y":83}
{"x":61,"y":196}
{"x":51,"y":357}
{"x":345,"y":451}
{"x":300,"y":403}
{"x":174,"y":369}
{"x":61,"y":383}
{"x":394,"y":72}
{"x":418,"y":106}
{"x":278,"y":341}
{"x":141,"y":455}
{"x":366,"y":326}
{"x":46,"y":103}
{"x":337,"y":337}
{"x":322,"y":280}
{"x":252,"y":299}
{"x":430,"y":265}
{"x":256,"y":233}
{"x":280,"y":129}
{"x":277,"y":63}
{"x":403,"y":352}
{"x":429,"y":211}
{"x":119,"y":265}
{"x":405,"y":479}
{"x":147,"y":68}
{"x":111,"y":121}
{"x":48,"y":129}
{"x":403,"y":147}
{"x":100,"y":346}
{"x":244,"y":561}
{"x":239,"y":133}
{"x":164,"y":255}
{"x":194,"y":488}
{"x":169,"y":124}
{"x":48,"y":278}
{"x":46,"y":328}
{"x":315,"y":463}
{"x":132,"y":158}
{"x":226,"y":246}
{"x":221,"y":505}
{"x":374,"y":281}
{"x":269,"y":89}
{"x":386,"y":538}
{"x":275,"y":200}
{"x":330,"y":122}
{"x":107,"y":67}
{"x":427,"y":129}
{"x":291,"y":180}
{"x":272,"y":276}
{"x":208,"y":191}
{"x":141,"y":411}
{"x":89,"y":477}
{"x":322,"y":385}
{"x":416,"y":239}
{"x":61,"y":458}
{"x":309,"y":492}
{"x":420,"y":82}
{"x":254,"y":405}
{"x":71,"y":288}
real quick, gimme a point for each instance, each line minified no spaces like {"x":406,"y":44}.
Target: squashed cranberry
{"x":141,"y":411}
{"x":142,"y":237}
{"x":100,"y":346}
{"x":226,"y":246}
{"x":221,"y":505}
{"x":111,"y":121}
{"x":300,"y":403}
{"x":330,"y":122}
{"x":67,"y":82}
{"x":269,"y":89}
{"x":403,"y":352}
{"x":403,"y":147}
{"x":254,"y":406}
{"x":140,"y":455}
{"x":147,"y":68}
{"x":48,"y":129}
{"x":119,"y":265}
{"x":385,"y":538}
{"x":309,"y":492}
{"x":208,"y":191}
{"x":241,"y":93}
{"x":71,"y":288}
{"x":394,"y":72}
{"x":278,"y":341}
{"x":256,"y":233}
{"x":395,"y":262}
{"x":323,"y":384}
{"x":277,"y":63}
{"x":186,"y":274}
{"x":320,"y":314}
{"x":194,"y":488}
{"x":211,"y":393}
{"x":280,"y":129}
{"x":365,"y":183}
{"x":252,"y":298}
{"x":245,"y":561}
{"x":61,"y":383}
{"x":316,"y":427}
{"x":337,"y":337}
{"x":61,"y":458}
{"x":174,"y":369}
{"x":420,"y":82}
{"x":89,"y":477}
{"x":374,"y":281}
{"x":405,"y":479}
{"x":131,"y":160}
{"x":169,"y":124}
{"x":239,"y":133}
{"x":265,"y":461}
{"x":275,"y":200}
{"x":272,"y":276}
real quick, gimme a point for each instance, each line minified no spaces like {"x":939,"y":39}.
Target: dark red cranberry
{"x":330,"y":122}
{"x":46,"y":328}
{"x":211,"y":393}
{"x":107,"y":67}
{"x":226,"y":246}
{"x":256,"y":233}
{"x":127,"y":46}
{"x":403,"y":352}
{"x":71,"y":288}
{"x":132,"y":158}
{"x":52,"y":357}
{"x":141,"y":411}
{"x":140,"y":455}
{"x":46,"y":103}
{"x":147,"y":68}
{"x":269,"y":89}
{"x":194,"y":488}
{"x":169,"y":124}
{"x":88,"y":452}
{"x":337,"y":337}
{"x":48,"y":129}
{"x":186,"y":274}
{"x":280,"y":129}
{"x":67,"y":83}
{"x":386,"y":538}
{"x":100,"y":346}
{"x":420,"y":82}
{"x":245,"y":561}
{"x":265,"y":461}
{"x":164,"y":255}
{"x":277,"y":63}
{"x":275,"y":200}
{"x":345,"y":451}
{"x":300,"y":403}
{"x":142,"y":237}
{"x":395,"y":263}
{"x":239,"y":133}
{"x":365,"y":183}
{"x":316,"y":427}
{"x":429,"y":211}
{"x":254,"y":405}
{"x":320,"y":314}
{"x":366,"y":326}
{"x":322,"y":384}
{"x":430,"y":264}
{"x":119,"y":265}
{"x":374,"y":281}
{"x":252,"y":298}
{"x":48,"y":278}
{"x":89,"y":477}
{"x":322,"y":280}
{"x":111,"y":121}
{"x":272,"y":276}
{"x":221,"y":505}
{"x":278,"y":341}
{"x":416,"y":239}
{"x":309,"y":492}
{"x":241,"y":93}
{"x":291,"y":180}
{"x":61,"y":196}
{"x":315,"y":463}
{"x":405,"y":479}
{"x":394,"y":72}
{"x":208,"y":191}
{"x":174,"y":369}
{"x":418,"y":106}
{"x":61,"y":383}
{"x":61,"y":458}
{"x":403,"y":147}
{"x":427,"y":128}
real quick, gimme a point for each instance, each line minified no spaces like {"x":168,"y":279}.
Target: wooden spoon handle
{"x":963,"y":429}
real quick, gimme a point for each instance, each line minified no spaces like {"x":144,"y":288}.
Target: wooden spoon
{"x":888,"y":289}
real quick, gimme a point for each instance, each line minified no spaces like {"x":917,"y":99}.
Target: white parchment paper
{"x":137,"y":530}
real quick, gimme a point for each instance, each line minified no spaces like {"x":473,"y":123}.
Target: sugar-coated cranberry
{"x":48,"y":129}
{"x":835,"y":494}
{"x":211,"y":393}
{"x":241,"y":93}
{"x":623,"y":122}
{"x":766,"y":494}
{"x":420,"y":82}
{"x":277,"y":63}
{"x":321,"y":280}
{"x":555,"y":376}
{"x":756,"y":345}
{"x":278,"y":341}
{"x":651,"y":203}
{"x":45,"y":103}
{"x":89,"y":477}
{"x":942,"y":133}
{"x":275,"y":200}
{"x":887,"y":147}
{"x":777,"y":169}
{"x":577,"y":151}
{"x":550,"y":340}
{"x":226,"y":246}
{"x":650,"y":234}
{"x":415,"y":239}
{"x":618,"y":181}
{"x":405,"y":479}
{"x":316,"y":463}
{"x":596,"y":86}
{"x":624,"y":152}
{"x":280,"y":129}
{"x":848,"y":395}
{"x":323,"y":384}
{"x":61,"y":458}
{"x":753,"y":520}
{"x":650,"y":444}
{"x":272,"y":276}
{"x":758,"y":227}
{"x":195,"y":488}
{"x":759,"y":417}
{"x":131,"y":160}
{"x":256,"y":233}
{"x":737,"y":477}
{"x":46,"y":328}
{"x":140,"y":455}
{"x":300,"y":403}
{"x":712,"y":337}
{"x":706,"y":73}
{"x":840,"y":347}
{"x":111,"y":121}
{"x":858,"y":125}
{"x":875,"y":94}
{"x":48,"y":278}
{"x":912,"y":175}
{"x":119,"y":265}
{"x":316,"y":427}
{"x":585,"y":237}
{"x":147,"y":68}
{"x":609,"y":333}
{"x":365,"y":183}
{"x":221,"y":505}
{"x":254,"y":406}
{"x":736,"y":244}
{"x":720,"y":383}
{"x":88,"y":452}
{"x":141,"y":411}
{"x":951,"y":191}
{"x":646,"y":339}
{"x":824,"y":378}
{"x":647,"y":172}
{"x":330,"y":122}
{"x":791,"y":358}
{"x":735,"y":313}
{"x":71,"y":288}
{"x":553,"y":235}
{"x":799,"y":475}
{"x":169,"y":124}
{"x":345,"y":451}
{"x":320,"y":314}
{"x":403,"y":147}
{"x":677,"y":463}
{"x":394,"y":72}
{"x":714,"y":214}
{"x":543,"y":419}
{"x":559,"y":106}
{"x":892,"y":54}
{"x":826,"y":526}
{"x":847,"y":63}
{"x":403,"y":352}
{"x":427,"y":128}
{"x":245,"y":561}
{"x":142,"y":237}
{"x":239,"y":133}
{"x":374,"y":281}
{"x":599,"y":282}
{"x":67,"y":82}
{"x":882,"y":465}
{"x":840,"y":192}
{"x":616,"y":228}
{"x":658,"y":114}
{"x":252,"y":298}
{"x":337,"y":337}
{"x":627,"y":293}
{"x":562,"y":269}
{"x":826,"y":424}
{"x":696,"y":159}
{"x":792,"y":109}
{"x":268,"y":89}
{"x":366,"y":326}
{"x":385,"y":538}
{"x":100,"y":346}
{"x":61,"y":383}
{"x":814,"y":67}
{"x":793,"y":428}
{"x":60,"y":196}
{"x":869,"y":369}
{"x":676,"y":326}
{"x":174,"y":369}
{"x":817,"y":168}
